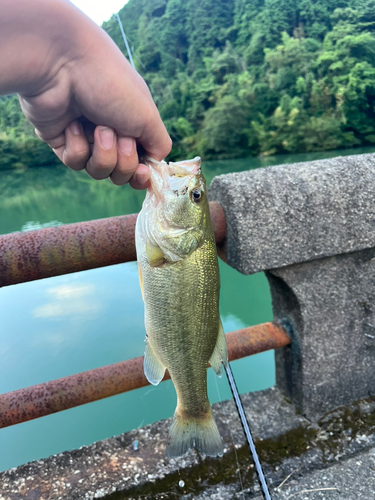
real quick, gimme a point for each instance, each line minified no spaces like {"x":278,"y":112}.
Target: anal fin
{"x":153,"y":368}
{"x":220,"y":355}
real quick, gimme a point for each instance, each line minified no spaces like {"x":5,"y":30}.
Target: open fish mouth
{"x":174,"y":176}
{"x":185,"y":167}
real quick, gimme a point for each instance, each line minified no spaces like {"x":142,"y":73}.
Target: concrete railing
{"x":311,"y":227}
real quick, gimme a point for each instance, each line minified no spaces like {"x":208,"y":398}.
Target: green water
{"x":60,"y":326}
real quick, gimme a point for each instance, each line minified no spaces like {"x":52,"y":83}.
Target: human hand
{"x":85,"y":100}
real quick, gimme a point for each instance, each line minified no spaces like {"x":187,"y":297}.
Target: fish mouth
{"x":174,"y":176}
{"x":184,"y":167}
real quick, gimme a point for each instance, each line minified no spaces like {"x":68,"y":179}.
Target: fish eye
{"x":196,"y":195}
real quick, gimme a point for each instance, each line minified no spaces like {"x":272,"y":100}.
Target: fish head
{"x":177,"y":205}
{"x":184,"y":194}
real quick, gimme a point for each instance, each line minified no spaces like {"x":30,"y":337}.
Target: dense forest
{"x":234,"y":78}
{"x":19,"y":146}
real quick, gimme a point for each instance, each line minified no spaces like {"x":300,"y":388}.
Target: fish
{"x":180,"y":282}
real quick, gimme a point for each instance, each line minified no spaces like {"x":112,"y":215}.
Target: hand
{"x":84,"y":98}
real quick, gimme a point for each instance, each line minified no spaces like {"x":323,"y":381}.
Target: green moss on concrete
{"x":333,"y":432}
{"x":224,"y":470}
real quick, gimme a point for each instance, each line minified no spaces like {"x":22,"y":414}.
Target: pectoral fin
{"x":153,"y":368}
{"x":154,"y":254}
{"x":220,"y":355}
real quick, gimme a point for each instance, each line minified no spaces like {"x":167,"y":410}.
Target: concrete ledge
{"x":352,"y":479}
{"x":288,"y":214}
{"x":113,"y":469}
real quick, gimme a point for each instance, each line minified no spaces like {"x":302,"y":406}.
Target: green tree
{"x":224,"y":130}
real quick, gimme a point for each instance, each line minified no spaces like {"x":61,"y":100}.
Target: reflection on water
{"x":59,"y":326}
{"x":32,"y":225}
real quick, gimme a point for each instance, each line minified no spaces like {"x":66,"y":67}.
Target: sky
{"x":99,"y":10}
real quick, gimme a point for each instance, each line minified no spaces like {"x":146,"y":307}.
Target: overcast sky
{"x":100,"y":10}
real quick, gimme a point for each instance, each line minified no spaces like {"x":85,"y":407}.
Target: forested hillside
{"x":235,"y":78}
{"x":239,"y":77}
{"x":19,"y":146}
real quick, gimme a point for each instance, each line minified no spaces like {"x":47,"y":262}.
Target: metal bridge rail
{"x":33,"y":255}
{"x":66,"y":249}
{"x":61,"y":394}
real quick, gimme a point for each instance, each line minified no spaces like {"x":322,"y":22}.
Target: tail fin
{"x":201,"y":434}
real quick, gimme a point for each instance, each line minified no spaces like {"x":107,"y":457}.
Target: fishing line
{"x":249,"y":439}
{"x":125,"y":40}
{"x":232,"y":438}
{"x":129,"y":52}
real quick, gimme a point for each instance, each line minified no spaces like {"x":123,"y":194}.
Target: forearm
{"x":37,"y":38}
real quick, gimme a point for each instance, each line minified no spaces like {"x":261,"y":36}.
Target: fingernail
{"x":75,"y":128}
{"x":107,"y":137}
{"x":126,"y":145}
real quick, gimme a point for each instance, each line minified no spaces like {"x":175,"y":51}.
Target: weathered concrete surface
{"x":339,"y":455}
{"x":113,"y":464}
{"x":352,"y":479}
{"x":312,"y":227}
{"x":331,"y":303}
{"x":283,"y":215}
{"x":285,"y":441}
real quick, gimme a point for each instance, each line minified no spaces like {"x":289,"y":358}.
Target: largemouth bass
{"x":180,"y":282}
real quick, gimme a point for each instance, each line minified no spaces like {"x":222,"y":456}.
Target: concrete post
{"x":311,"y":227}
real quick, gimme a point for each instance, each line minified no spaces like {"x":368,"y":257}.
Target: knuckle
{"x":49,"y":105}
{"x":106,"y":162}
{"x":79,"y":153}
{"x":99,"y":171}
{"x":73,"y":163}
{"x":76,"y":160}
{"x":120,"y":178}
{"x":106,"y":167}
{"x":128,"y":166}
{"x":116,"y":181}
{"x":97,"y":175}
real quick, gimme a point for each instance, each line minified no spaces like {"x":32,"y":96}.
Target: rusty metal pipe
{"x":75,"y":390}
{"x":53,"y":251}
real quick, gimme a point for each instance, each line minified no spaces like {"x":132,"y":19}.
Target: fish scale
{"x":181,"y":325}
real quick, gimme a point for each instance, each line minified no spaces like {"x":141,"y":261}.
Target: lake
{"x":68,"y":324}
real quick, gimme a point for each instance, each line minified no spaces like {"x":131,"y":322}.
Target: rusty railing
{"x":66,"y":249}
